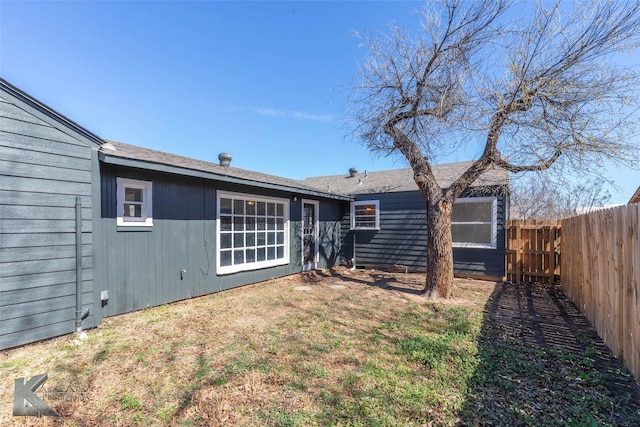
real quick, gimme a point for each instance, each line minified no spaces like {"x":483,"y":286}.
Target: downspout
{"x":353,"y":259}
{"x":78,"y":264}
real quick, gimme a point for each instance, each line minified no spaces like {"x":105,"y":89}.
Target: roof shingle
{"x":394,"y":180}
{"x":146,"y":155}
{"x":401,"y":180}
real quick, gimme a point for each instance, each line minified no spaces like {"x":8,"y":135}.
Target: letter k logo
{"x":26,"y":403}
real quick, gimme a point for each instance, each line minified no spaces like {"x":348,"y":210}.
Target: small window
{"x":134,"y":203}
{"x":474,"y":222}
{"x":365,"y":215}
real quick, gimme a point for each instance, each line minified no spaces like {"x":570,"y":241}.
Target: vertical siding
{"x":42,"y":170}
{"x":330,"y":233}
{"x":142,"y":268}
{"x":403,"y":233}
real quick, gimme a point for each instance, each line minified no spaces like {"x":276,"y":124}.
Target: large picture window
{"x":365,"y":215}
{"x":474,"y":222}
{"x":134,"y":203}
{"x":252,"y":232}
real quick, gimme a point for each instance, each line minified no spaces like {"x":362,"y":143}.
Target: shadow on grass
{"x":541,"y":363}
{"x":379,"y":279}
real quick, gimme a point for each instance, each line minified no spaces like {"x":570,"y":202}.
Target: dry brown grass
{"x":267,"y":353}
{"x":336,"y":348}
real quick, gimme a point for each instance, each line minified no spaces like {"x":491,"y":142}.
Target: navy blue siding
{"x":142,"y":268}
{"x":43,"y":168}
{"x":330,"y":233}
{"x":401,"y":239}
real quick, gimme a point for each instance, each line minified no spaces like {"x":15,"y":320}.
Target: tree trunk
{"x":439,"y":280}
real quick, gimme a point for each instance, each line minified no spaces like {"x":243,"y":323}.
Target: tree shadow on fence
{"x":541,"y":363}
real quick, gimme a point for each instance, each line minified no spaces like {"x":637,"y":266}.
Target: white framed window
{"x":252,"y":232}
{"x":365,"y":215}
{"x":474,"y":222}
{"x":134,"y":203}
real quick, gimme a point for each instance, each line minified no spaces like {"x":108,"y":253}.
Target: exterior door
{"x":309,"y":235}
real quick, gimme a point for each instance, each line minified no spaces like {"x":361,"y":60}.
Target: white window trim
{"x":494,"y":223}
{"x":376,"y":203}
{"x":147,"y":203}
{"x":258,"y":264}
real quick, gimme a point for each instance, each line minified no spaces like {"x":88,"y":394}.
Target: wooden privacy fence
{"x":533,"y":250}
{"x":600,"y":269}
{"x":601,"y":275}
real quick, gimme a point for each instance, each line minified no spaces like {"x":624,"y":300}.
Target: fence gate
{"x":533,"y":250}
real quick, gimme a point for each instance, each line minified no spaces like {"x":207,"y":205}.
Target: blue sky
{"x":264,"y":81}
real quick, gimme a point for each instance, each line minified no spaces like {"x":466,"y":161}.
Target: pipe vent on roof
{"x":225,"y":159}
{"x":353,"y":172}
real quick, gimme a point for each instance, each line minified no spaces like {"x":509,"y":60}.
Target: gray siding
{"x":142,"y":268}
{"x":403,"y":233}
{"x":43,"y":167}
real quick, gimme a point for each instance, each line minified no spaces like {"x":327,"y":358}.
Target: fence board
{"x":601,"y":275}
{"x":533,"y":250}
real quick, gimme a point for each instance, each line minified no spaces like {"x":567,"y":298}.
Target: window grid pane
{"x":225,"y":223}
{"x":133,"y":210}
{"x":133,"y":194}
{"x":225,"y":240}
{"x":225,"y":258}
{"x":251,"y":207}
{"x":238,"y":207}
{"x":225,"y":206}
{"x":243,"y":237}
{"x":238,"y":240}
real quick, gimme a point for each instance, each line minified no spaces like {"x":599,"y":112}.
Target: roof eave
{"x":161,"y":167}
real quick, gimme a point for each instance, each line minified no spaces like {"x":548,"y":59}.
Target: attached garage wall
{"x":43,"y":168}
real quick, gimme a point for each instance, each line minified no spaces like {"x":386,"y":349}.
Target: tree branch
{"x":543,"y":165}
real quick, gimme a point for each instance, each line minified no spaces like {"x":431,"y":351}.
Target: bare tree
{"x":538,"y":197}
{"x":526,"y":94}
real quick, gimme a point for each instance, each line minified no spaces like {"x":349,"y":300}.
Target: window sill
{"x":222,"y":271}
{"x":473,"y":246}
{"x":134,"y":228}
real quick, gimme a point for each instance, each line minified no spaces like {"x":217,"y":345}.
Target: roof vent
{"x":108,"y":146}
{"x":225,"y":159}
{"x":353,"y":172}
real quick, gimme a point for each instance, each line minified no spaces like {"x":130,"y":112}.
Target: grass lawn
{"x":336,"y":348}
